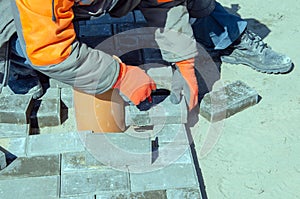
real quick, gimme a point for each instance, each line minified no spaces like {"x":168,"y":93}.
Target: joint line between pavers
{"x":59,"y":188}
{"x":129,"y":179}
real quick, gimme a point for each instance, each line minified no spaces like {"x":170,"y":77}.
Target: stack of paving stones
{"x":153,"y":157}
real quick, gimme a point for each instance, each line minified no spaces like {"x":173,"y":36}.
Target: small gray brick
{"x":79,"y":161}
{"x":186,"y":193}
{"x":227,"y":101}
{"x":156,"y":194}
{"x":162,"y":76}
{"x":80,"y":197}
{"x":2,"y":160}
{"x":25,"y":167}
{"x":126,"y":149}
{"x":170,"y":177}
{"x":171,"y":133}
{"x":13,"y":130}
{"x":163,"y":113}
{"x":67,"y":97}
{"x":30,"y":188}
{"x":47,"y":111}
{"x":15,"y":109}
{"x":16,"y":146}
{"x":54,"y":143}
{"x":93,"y":182}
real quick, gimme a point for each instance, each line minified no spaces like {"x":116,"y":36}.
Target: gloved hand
{"x":134,"y":83}
{"x":184,"y":79}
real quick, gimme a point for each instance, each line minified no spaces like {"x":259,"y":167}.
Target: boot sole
{"x":283,"y":70}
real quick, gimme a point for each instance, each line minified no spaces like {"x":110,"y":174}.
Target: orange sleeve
{"x":47,"y":42}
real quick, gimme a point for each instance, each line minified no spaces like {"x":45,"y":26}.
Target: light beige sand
{"x":257,"y":154}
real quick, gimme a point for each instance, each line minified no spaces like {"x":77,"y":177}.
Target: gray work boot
{"x":24,"y":81}
{"x":252,"y":51}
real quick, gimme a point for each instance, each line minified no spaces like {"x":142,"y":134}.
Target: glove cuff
{"x":123,"y":69}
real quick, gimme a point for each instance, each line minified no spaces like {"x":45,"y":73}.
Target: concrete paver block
{"x":80,"y":197}
{"x":120,"y":149}
{"x":93,"y":182}
{"x":162,"y":76}
{"x":169,"y":177}
{"x":156,"y":194}
{"x":2,"y":160}
{"x":227,"y":101}
{"x":15,"y":146}
{"x":67,"y":97}
{"x":54,"y":143}
{"x":15,"y":109}
{"x":163,"y":113}
{"x":47,"y":111}
{"x":38,"y":166}
{"x":79,"y":161}
{"x":171,"y":133}
{"x":13,"y":130}
{"x":186,"y":193}
{"x":30,"y":188}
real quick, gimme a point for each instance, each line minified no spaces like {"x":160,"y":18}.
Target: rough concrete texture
{"x":57,"y":84}
{"x":2,"y":160}
{"x":13,"y":130}
{"x":189,"y":193}
{"x":16,"y":146}
{"x":227,"y":101}
{"x":162,"y":76}
{"x":47,"y":110}
{"x":162,"y":113}
{"x":157,"y":194}
{"x":37,"y":166}
{"x":54,"y":143}
{"x":67,"y":97}
{"x":15,"y":109}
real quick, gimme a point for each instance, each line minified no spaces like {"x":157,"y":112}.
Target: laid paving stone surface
{"x":54,"y":143}
{"x":157,"y":194}
{"x":8,"y":130}
{"x":227,"y":101}
{"x":25,"y":167}
{"x":188,"y":193}
{"x":15,"y":146}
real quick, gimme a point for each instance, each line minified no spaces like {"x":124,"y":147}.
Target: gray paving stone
{"x":30,"y":188}
{"x":227,"y":101}
{"x":25,"y":167}
{"x":47,"y":111}
{"x":16,"y":146}
{"x":156,"y":194}
{"x":2,"y":160}
{"x":163,"y":113}
{"x":93,"y":182}
{"x":171,"y":133}
{"x":67,"y":97}
{"x":15,"y":109}
{"x":170,"y":177}
{"x":162,"y":76}
{"x":120,"y":149}
{"x":188,"y":193}
{"x":79,"y":161}
{"x":54,"y":143}
{"x":13,"y":130}
{"x":80,"y":197}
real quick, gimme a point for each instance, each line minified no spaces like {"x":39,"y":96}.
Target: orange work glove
{"x":134,"y":84}
{"x":184,"y":79}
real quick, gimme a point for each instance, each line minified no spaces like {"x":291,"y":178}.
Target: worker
{"x":47,"y":40}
